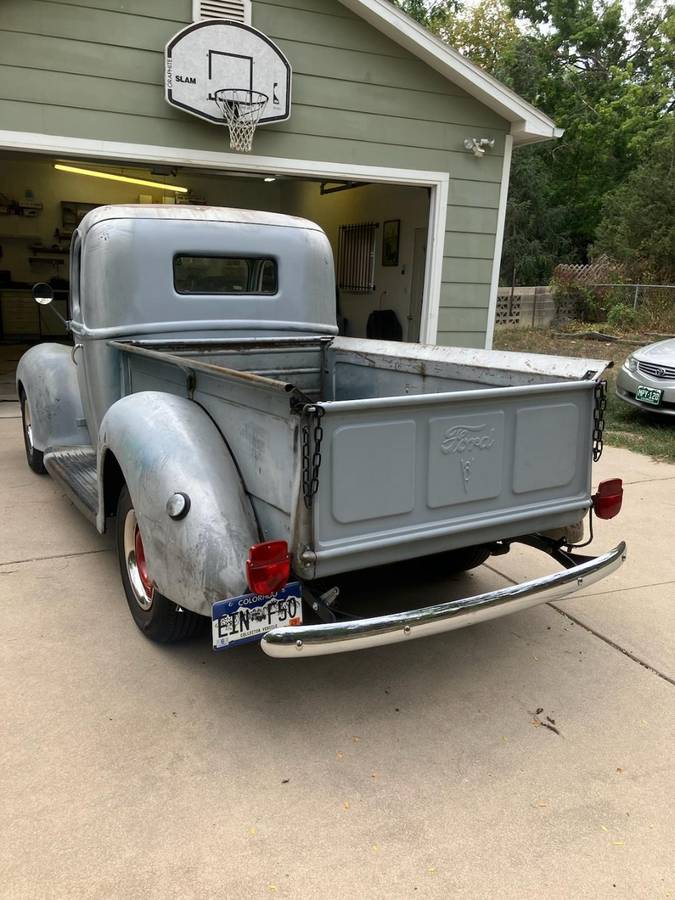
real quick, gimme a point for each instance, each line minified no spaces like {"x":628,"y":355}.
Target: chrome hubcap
{"x":28,"y":424}
{"x":134,"y":556}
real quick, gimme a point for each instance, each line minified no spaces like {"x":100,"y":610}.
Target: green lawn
{"x":625,"y":425}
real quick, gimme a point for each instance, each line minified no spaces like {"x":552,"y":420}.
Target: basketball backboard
{"x":218,"y":54}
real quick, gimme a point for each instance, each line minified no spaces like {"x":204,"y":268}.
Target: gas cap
{"x":178,"y":505}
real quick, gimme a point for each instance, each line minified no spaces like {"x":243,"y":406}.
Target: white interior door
{"x":417,"y":286}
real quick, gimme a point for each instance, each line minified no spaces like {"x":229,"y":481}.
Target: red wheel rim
{"x":141,"y":564}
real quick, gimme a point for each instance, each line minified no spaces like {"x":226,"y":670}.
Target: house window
{"x":356,"y":258}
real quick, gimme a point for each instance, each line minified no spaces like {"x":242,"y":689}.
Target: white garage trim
{"x":32,"y":142}
{"x":438,"y":213}
{"x":499,"y":242}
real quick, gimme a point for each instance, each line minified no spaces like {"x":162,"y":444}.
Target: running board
{"x":75,"y":470}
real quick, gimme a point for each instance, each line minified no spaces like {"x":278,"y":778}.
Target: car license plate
{"x":246,"y":618}
{"x":649,"y":395}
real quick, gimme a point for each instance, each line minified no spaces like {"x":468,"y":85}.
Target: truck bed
{"x":423,"y":448}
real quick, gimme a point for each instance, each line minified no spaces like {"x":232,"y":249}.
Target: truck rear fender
{"x":48,"y":377}
{"x":159,"y":445}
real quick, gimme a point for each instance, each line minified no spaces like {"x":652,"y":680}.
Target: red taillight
{"x":268,"y":567}
{"x":607,"y":499}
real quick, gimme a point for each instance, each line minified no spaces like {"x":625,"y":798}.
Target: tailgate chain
{"x":599,"y":418}
{"x":310,"y":466}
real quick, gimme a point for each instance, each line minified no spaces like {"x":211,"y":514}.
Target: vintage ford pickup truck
{"x":249,"y":455}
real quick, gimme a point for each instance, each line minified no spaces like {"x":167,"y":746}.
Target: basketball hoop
{"x":241,"y":109}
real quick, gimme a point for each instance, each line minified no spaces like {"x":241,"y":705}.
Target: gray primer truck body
{"x":421,"y":449}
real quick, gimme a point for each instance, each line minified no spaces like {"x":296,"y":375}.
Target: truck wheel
{"x":34,"y":457}
{"x":158,"y":617}
{"x":455,"y":561}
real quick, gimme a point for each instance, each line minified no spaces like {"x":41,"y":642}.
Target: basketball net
{"x":241,"y":109}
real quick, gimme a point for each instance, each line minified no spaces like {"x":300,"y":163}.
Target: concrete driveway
{"x":531,"y":756}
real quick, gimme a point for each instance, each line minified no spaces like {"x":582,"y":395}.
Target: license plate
{"x":649,"y":395}
{"x":246,"y":618}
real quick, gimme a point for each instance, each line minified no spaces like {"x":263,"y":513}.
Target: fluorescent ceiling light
{"x":75,"y":170}
{"x":270,"y":178}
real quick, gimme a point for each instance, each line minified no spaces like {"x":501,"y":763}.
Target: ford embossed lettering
{"x":462,"y":439}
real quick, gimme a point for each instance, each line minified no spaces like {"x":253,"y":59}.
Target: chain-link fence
{"x":600,"y":292}
{"x":624,"y":306}
{"x":634,"y":294}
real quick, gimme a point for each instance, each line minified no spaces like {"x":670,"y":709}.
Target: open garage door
{"x":382,"y":272}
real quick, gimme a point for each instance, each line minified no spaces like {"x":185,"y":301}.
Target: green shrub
{"x":622,"y":317}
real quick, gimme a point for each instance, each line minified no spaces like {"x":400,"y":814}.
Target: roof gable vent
{"x":235,"y":10}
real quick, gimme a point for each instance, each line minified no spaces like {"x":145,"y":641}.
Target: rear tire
{"x":34,"y":457}
{"x":159,"y":618}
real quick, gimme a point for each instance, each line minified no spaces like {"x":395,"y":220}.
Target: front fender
{"x":164,"y":444}
{"x":49,"y":378}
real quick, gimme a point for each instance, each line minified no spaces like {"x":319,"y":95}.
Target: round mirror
{"x":43,"y":293}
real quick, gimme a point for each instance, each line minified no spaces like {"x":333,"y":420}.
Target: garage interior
{"x":378,"y":233}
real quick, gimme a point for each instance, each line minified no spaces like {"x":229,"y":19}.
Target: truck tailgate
{"x":406,"y":476}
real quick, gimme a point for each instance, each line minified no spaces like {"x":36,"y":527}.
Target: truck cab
{"x":169,"y":272}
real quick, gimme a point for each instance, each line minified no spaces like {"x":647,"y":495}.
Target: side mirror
{"x":43,"y":293}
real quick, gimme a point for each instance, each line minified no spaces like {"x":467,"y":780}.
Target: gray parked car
{"x":647,"y":378}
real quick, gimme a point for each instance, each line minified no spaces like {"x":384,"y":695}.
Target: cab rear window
{"x":224,"y":275}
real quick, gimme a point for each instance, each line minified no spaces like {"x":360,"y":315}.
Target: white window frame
{"x":438,"y":182}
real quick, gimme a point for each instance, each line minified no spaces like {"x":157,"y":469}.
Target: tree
{"x":608,"y":82}
{"x":486,"y":33}
{"x":638,"y":217}
{"x":535,"y":238}
{"x":605,"y":79}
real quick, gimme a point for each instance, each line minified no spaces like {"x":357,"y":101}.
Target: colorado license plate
{"x":243,"y":619}
{"x":649,"y":395}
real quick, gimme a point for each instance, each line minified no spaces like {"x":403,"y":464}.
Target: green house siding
{"x":85,"y":68}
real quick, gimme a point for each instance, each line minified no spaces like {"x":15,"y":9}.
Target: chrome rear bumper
{"x":359,"y":634}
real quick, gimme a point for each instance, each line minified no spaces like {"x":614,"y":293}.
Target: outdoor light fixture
{"x":478,"y":146}
{"x":270,"y":178}
{"x":75,"y":170}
